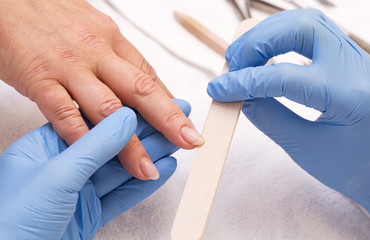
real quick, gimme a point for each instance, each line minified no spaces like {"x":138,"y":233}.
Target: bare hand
{"x":55,"y":52}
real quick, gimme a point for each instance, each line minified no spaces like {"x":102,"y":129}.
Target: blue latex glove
{"x":335,"y":149}
{"x":49,"y":191}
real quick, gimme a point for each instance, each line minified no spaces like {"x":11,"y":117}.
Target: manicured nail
{"x":192,"y":136}
{"x":148,"y":169}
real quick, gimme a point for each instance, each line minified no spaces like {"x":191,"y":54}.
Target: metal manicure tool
{"x":270,"y":7}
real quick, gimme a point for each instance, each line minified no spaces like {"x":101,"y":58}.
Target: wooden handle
{"x":202,"y":33}
{"x":205,"y":174}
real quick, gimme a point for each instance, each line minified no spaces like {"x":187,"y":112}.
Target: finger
{"x":97,"y":102}
{"x":284,"y":127}
{"x":100,"y":144}
{"x":297,"y":136}
{"x":132,"y":156}
{"x":139,"y":166}
{"x":183,"y":105}
{"x":278,"y":34}
{"x":58,"y":108}
{"x":144,"y":129}
{"x":134,"y":191}
{"x":139,"y":91}
{"x":309,"y":144}
{"x":297,"y":83}
{"x":276,"y":121}
{"x":117,"y":174}
{"x":112,"y":175}
{"x":94,"y":98}
{"x":124,"y":49}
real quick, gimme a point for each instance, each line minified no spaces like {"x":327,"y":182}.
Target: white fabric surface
{"x":263,"y":194}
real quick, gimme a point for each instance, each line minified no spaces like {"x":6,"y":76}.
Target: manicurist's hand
{"x":51,"y":191}
{"x":56,"y":51}
{"x":334,"y":148}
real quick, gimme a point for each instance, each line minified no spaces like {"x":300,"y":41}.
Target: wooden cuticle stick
{"x":202,"y":33}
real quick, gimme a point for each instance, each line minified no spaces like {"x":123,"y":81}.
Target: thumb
{"x":97,"y":146}
{"x":283,"y":126}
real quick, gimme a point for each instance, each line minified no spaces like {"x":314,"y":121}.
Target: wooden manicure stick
{"x":202,"y":33}
{"x":205,"y":174}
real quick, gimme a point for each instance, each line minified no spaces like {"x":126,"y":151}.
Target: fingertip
{"x":228,"y":54}
{"x":135,"y":190}
{"x":136,"y":161}
{"x":172,"y":164}
{"x":234,"y":63}
{"x":230,"y":51}
{"x":129,"y":116}
{"x":191,"y":136}
{"x":123,"y":122}
{"x":211,"y":89}
{"x":184,"y":105}
{"x":233,"y":66}
{"x":215,"y":88}
{"x":148,"y":169}
{"x":166,"y":167}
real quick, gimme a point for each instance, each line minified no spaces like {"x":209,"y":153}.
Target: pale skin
{"x":54,"y":52}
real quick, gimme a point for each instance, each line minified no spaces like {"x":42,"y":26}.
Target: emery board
{"x":201,"y":186}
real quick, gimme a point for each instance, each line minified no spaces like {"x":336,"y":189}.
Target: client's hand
{"x":56,"y":51}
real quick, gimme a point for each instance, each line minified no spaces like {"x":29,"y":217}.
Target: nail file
{"x":201,"y":186}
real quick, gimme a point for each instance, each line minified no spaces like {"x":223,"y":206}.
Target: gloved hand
{"x":51,"y":191}
{"x":334,"y":148}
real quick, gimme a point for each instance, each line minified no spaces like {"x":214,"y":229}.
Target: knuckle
{"x":315,"y":12}
{"x":108,"y":107}
{"x":67,"y":54}
{"x":143,"y":84}
{"x":90,"y":39}
{"x":308,"y":17}
{"x":109,"y":24}
{"x":70,"y":117}
{"x":63,"y":112}
{"x":65,"y":118}
{"x":74,"y":130}
{"x":148,"y":69}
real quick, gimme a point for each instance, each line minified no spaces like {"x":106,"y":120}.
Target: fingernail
{"x":148,"y":169}
{"x":192,"y":136}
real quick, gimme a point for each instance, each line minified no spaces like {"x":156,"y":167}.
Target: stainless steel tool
{"x":244,"y":6}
